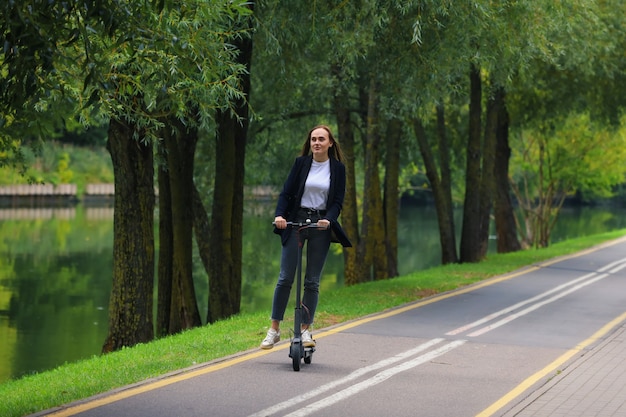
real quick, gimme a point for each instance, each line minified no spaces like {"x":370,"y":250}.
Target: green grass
{"x":79,"y":380}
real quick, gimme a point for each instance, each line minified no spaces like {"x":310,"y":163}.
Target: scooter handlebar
{"x":300,"y":224}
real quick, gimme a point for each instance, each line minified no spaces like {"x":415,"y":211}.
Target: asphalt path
{"x":477,"y":351}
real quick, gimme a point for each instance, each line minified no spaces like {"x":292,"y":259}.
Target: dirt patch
{"x":423,"y":293}
{"x":325,"y":320}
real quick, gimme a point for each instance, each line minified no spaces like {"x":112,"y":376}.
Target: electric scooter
{"x":297,"y":351}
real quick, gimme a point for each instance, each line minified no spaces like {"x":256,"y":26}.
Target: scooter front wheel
{"x":296,"y":355}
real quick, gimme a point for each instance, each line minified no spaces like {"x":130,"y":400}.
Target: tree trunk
{"x":202,"y":229}
{"x":166,"y":248}
{"x":442,"y":196}
{"x":131,"y":304}
{"x":506,"y":230}
{"x":227,"y":214}
{"x":349,"y":213}
{"x":470,"y":234}
{"x":181,"y":147}
{"x":391,"y":203}
{"x":447,"y":232}
{"x":487,"y":182}
{"x":225,"y":270}
{"x":373,"y":232}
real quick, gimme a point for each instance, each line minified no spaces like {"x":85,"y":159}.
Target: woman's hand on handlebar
{"x":323,"y":223}
{"x":280,"y":222}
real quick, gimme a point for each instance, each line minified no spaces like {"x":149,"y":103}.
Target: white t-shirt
{"x":316,"y":186}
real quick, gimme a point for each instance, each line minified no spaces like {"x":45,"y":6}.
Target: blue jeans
{"x":317,"y":245}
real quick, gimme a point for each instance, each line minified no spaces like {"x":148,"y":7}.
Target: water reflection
{"x":56,"y":268}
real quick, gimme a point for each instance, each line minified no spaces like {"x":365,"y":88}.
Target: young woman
{"x":314,"y":190}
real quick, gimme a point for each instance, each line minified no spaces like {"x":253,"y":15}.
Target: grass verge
{"x":79,"y":380}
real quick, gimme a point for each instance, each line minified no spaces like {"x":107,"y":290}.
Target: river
{"x":56,"y":263}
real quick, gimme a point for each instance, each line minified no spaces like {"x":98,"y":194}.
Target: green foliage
{"x":568,"y":156}
{"x":62,"y":164}
{"x":12,"y":156}
{"x":576,"y":154}
{"x":33,"y":33}
{"x":173,"y":62}
{"x":140,"y":62}
{"x":64,"y":172}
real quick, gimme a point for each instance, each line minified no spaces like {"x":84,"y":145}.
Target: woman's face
{"x":320,"y":143}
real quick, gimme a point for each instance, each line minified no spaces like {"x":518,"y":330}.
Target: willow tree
{"x":172,"y":62}
{"x":188,"y":71}
{"x":449,"y":38}
{"x":480,"y":49}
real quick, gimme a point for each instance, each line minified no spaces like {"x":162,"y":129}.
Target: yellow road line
{"x":135,"y":390}
{"x":130,"y":392}
{"x":530,"y":381}
{"x":126,"y":393}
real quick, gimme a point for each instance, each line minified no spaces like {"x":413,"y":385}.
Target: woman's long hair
{"x":333,"y":152}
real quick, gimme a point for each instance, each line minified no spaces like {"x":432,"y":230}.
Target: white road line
{"x":612,"y":264}
{"x":618,"y":268}
{"x":354,"y":375}
{"x":516,"y":306}
{"x":376,"y":379}
{"x":388,"y":373}
{"x":534,"y":307}
{"x":616,"y":265}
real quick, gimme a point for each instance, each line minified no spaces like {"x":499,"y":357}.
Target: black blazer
{"x":291,"y":196}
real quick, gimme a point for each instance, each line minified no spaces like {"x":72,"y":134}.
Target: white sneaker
{"x":273,"y":336}
{"x":307,"y":339}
